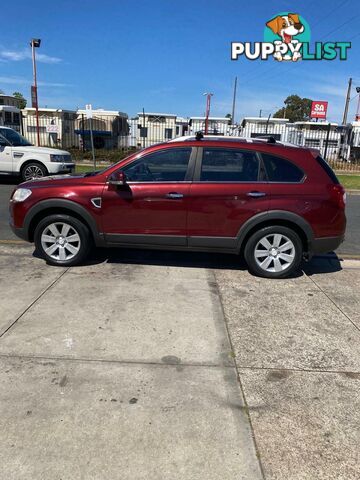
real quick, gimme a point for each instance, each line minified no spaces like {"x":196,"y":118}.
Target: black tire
{"x":295,"y":251}
{"x":76,"y":227}
{"x":36,"y":167}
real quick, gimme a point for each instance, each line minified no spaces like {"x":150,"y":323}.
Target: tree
{"x":21,"y":98}
{"x":296,"y":109}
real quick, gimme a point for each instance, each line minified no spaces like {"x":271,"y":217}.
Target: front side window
{"x":280,"y":170}
{"x":162,"y":166}
{"x":229,"y":165}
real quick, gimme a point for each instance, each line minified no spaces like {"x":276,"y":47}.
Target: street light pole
{"x":35,"y":43}
{"x":208,"y":102}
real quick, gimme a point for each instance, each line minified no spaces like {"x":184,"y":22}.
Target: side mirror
{"x":3,"y":143}
{"x":117,"y":179}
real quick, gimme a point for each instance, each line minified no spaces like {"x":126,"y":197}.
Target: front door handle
{"x":174,"y":195}
{"x":256,"y":194}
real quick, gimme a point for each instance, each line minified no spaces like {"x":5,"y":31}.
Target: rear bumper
{"x":326,"y":244}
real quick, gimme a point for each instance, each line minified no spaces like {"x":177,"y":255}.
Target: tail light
{"x":339,"y":195}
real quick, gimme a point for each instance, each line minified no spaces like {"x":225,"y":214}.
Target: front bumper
{"x":20,"y":232}
{"x":326,"y":244}
{"x":54,"y":168}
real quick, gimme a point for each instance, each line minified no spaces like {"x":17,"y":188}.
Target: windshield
{"x":14,"y":138}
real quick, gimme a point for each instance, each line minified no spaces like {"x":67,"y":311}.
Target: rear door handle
{"x":256,"y":194}
{"x":174,"y":195}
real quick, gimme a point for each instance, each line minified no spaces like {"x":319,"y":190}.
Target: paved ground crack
{"x":33,"y":303}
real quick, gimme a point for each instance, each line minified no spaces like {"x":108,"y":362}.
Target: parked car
{"x":272,"y":203}
{"x":20,"y":157}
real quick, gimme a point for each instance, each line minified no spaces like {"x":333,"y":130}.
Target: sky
{"x":162,"y":55}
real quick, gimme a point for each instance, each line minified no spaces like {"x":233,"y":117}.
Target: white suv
{"x":20,"y":157}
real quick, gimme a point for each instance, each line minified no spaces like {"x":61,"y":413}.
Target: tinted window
{"x":280,"y":170}
{"x":163,"y":166}
{"x":229,"y":165}
{"x":328,"y":169}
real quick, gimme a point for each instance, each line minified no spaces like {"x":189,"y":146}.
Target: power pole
{"x":260,"y":113}
{"x":234,"y":102}
{"x":347,"y":101}
{"x":207,"y":113}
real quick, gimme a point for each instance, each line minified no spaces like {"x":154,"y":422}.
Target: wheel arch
{"x":31,"y":160}
{"x":60,"y":206}
{"x":277,"y":217}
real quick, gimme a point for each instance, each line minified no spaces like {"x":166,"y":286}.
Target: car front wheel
{"x":33,"y":170}
{"x":62,"y":240}
{"x":273,"y":252}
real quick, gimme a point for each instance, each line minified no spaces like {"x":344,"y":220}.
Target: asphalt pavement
{"x":350,"y":247}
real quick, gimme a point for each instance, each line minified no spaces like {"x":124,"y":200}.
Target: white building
{"x":155,"y":128}
{"x":216,"y":126}
{"x":56,"y":127}
{"x":10,"y":112}
{"x":110,"y":129}
{"x":252,"y":127}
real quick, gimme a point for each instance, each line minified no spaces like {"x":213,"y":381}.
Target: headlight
{"x":21,"y":194}
{"x":60,"y":158}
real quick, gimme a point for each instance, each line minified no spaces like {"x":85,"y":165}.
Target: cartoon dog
{"x":287,"y":27}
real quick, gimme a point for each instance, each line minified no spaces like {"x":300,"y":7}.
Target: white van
{"x":20,"y":157}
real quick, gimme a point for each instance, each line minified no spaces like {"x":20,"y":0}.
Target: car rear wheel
{"x":33,"y":170}
{"x":62,"y":240}
{"x":273,"y":252}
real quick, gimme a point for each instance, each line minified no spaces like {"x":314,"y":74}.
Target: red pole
{"x":36,"y":96}
{"x":208,"y":100}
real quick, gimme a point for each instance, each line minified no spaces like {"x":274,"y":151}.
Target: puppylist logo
{"x":287,"y":38}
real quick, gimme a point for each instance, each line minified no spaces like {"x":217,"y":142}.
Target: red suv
{"x":273,"y":203}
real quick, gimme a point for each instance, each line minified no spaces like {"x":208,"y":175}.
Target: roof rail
{"x":268,"y":138}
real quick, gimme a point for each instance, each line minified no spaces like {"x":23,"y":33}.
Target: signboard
{"x":88,"y":109}
{"x":319,"y":109}
{"x":33,"y":97}
{"x":52,"y":128}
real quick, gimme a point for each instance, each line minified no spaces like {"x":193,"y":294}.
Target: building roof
{"x":32,"y":109}
{"x":211,"y":118}
{"x":101,"y":111}
{"x":265,"y":119}
{"x":156,"y":114}
{"x":9,"y":108}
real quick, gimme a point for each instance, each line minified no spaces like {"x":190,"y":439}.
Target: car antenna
{"x":199,"y":135}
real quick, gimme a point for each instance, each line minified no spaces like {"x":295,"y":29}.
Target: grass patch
{"x":85,"y":168}
{"x":110,"y":156}
{"x":350,"y":181}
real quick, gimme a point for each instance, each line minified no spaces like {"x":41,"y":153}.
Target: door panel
{"x":230,"y":189}
{"x":6,"y":159}
{"x":152,"y":207}
{"x":221,"y":209}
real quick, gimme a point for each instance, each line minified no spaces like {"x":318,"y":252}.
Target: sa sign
{"x":319,"y":109}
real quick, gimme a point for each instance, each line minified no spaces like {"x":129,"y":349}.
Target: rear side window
{"x":327,"y":169}
{"x":229,"y":165}
{"x":280,"y":170}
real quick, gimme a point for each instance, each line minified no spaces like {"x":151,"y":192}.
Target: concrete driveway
{"x":158,"y":365}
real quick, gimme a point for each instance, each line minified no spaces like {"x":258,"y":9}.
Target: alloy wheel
{"x":274,"y":253}
{"x":33,"y":171}
{"x":60,"y":241}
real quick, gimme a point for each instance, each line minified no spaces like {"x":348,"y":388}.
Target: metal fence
{"x":71,"y":130}
{"x":339,"y":145}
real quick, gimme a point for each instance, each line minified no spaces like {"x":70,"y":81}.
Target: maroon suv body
{"x":274,"y":203}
